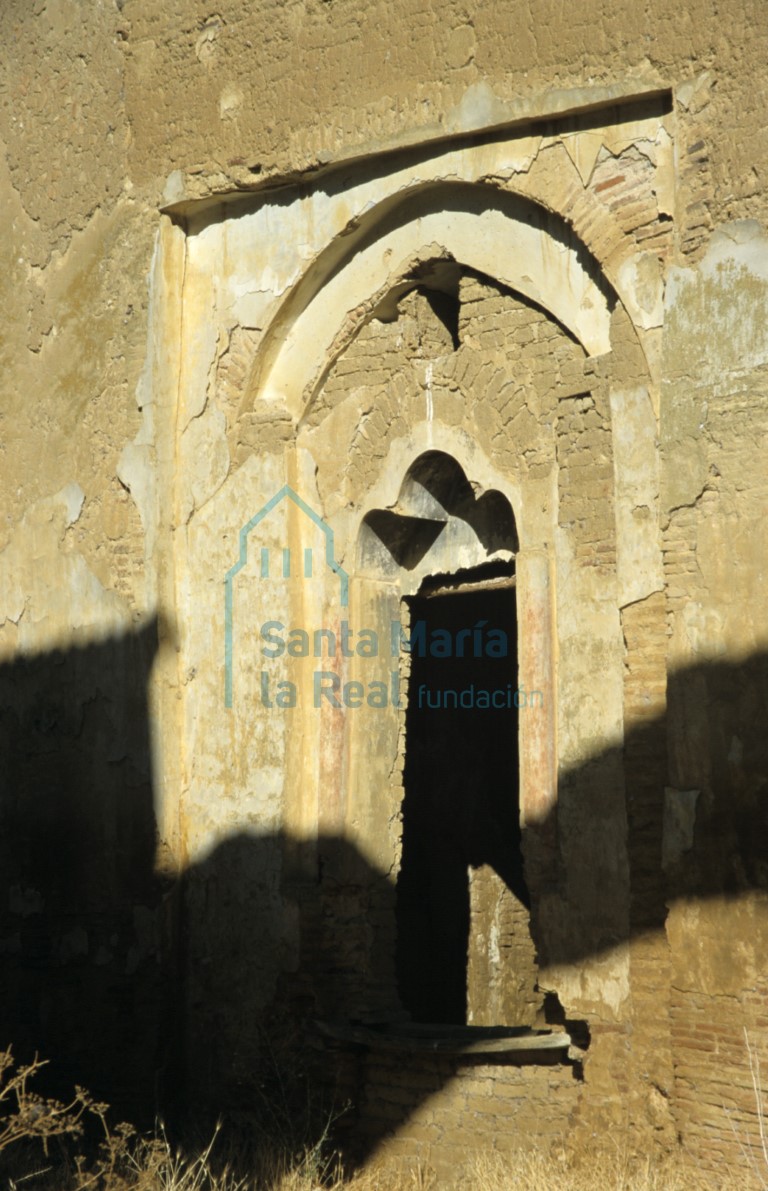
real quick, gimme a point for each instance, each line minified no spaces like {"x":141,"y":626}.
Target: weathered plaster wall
{"x":527,"y":411}
{"x":713,"y":502}
{"x":154,"y":375}
{"x":283,"y":87}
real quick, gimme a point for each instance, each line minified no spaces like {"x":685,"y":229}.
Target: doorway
{"x":461,"y":804}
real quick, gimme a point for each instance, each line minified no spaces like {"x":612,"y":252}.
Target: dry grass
{"x":41,"y":1149}
{"x":603,"y":1172}
{"x":755,"y":1159}
{"x":153,"y":1165}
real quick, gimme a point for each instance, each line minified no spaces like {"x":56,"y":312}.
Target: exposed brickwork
{"x":645,"y":752}
{"x":502,"y":975}
{"x":437,"y":1112}
{"x":246,"y":431}
{"x":500,"y":383}
{"x":585,"y":478}
{"x":645,"y":767}
{"x":626,"y":185}
{"x":696,"y":192}
{"x":720,"y":1051}
{"x":111,"y":526}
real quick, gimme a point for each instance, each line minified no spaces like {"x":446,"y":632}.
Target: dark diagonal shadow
{"x":272,"y":935}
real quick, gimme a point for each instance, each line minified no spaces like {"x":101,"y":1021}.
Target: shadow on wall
{"x":80,"y":982}
{"x":94,"y":941}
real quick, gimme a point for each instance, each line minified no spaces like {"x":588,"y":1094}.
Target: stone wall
{"x":311,"y":245}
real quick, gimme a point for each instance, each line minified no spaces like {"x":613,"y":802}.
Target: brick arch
{"x":505,"y":236}
{"x":554,"y":184}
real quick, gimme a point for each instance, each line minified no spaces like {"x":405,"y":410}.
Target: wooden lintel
{"x":496,"y":584}
{"x":528,"y":1044}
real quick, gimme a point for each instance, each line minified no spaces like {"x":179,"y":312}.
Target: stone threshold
{"x":521,"y":1044}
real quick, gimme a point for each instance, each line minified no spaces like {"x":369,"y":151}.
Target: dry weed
{"x":24,"y":1114}
{"x":126,"y":1161}
{"x":755,"y":1163}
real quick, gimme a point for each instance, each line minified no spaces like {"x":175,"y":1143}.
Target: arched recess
{"x":534,"y":254}
{"x":438,"y":524}
{"x":440,"y":560}
{"x":502,"y":235}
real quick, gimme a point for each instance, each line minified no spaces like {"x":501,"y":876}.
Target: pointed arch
{"x":501,"y":235}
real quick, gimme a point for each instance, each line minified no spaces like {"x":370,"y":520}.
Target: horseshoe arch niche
{"x":465,"y":336}
{"x":429,"y":425}
{"x":447,"y":394}
{"x":460,"y":874}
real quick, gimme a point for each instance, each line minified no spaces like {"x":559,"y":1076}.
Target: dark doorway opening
{"x":461,"y":805}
